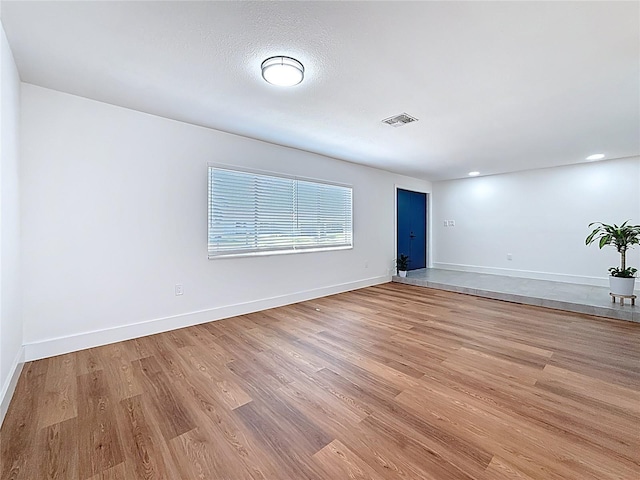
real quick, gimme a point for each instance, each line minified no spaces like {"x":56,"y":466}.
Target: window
{"x":252,"y":213}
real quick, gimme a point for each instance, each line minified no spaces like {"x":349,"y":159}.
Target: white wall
{"x":10,"y":303}
{"x":541,"y":217}
{"x":114,"y":215}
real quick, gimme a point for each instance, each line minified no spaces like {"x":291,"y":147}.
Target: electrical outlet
{"x":179,"y":289}
{"x":509,"y":256}
{"x":452,"y":223}
{"x":446,"y":223}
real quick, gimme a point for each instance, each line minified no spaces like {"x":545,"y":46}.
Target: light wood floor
{"x":388,"y":382}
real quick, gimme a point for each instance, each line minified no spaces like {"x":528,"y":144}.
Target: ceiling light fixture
{"x":474,"y":174}
{"x":596,"y":156}
{"x":282,"y":71}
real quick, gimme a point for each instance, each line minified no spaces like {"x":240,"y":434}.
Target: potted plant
{"x":402,"y":263}
{"x":623,"y":237}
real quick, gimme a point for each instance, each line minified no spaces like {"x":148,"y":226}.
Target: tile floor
{"x":559,"y":295}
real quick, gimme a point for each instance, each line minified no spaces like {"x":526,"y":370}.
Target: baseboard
{"x":509,"y":272}
{"x":10,"y":384}
{"x":58,"y":346}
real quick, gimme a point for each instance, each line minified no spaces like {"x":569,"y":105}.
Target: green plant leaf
{"x":621,"y":237}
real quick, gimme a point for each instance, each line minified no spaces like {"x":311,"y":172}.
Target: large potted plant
{"x":623,"y":237}
{"x":402,"y":263}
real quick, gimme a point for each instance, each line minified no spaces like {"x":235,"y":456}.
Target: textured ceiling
{"x":496,"y":86}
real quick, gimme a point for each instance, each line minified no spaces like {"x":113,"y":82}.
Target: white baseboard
{"x":554,"y":277}
{"x":10,"y":383}
{"x":58,"y":346}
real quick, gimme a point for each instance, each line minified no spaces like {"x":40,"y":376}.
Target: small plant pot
{"x":402,"y":273}
{"x":621,"y":286}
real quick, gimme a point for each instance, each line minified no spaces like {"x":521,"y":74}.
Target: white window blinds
{"x":253,"y":213}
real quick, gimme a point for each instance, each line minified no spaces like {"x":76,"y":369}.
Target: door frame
{"x":427,"y":221}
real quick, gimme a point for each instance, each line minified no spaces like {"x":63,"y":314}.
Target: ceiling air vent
{"x":399,"y":120}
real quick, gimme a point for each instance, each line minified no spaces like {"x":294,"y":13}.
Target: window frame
{"x":289,"y":251}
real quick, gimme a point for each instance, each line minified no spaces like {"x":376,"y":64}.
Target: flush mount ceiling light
{"x":474,"y":174}
{"x":596,"y":156}
{"x":282,"y":71}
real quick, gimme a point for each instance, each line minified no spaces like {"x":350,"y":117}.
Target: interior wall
{"x":10,"y":291}
{"x":114,"y":215}
{"x":540,"y":217}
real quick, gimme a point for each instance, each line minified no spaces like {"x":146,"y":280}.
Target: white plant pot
{"x":402,"y":273}
{"x":621,"y":286}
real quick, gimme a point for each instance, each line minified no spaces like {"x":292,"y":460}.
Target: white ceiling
{"x":496,"y":86}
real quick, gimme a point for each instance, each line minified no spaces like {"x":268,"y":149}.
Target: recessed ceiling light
{"x":282,"y":71}
{"x":596,"y":156}
{"x":474,"y":174}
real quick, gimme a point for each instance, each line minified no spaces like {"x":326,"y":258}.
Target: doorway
{"x":411,"y":235}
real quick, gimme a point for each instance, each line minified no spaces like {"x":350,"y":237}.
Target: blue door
{"x":412,"y":227}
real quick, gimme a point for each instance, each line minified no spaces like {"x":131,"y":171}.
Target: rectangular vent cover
{"x":399,"y":120}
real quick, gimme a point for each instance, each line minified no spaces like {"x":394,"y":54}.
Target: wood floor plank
{"x":175,"y":416}
{"x":331,"y":415}
{"x":118,"y":472}
{"x":605,"y":392}
{"x":386,"y":410}
{"x":226,"y":429}
{"x":98,"y":440}
{"x":232,"y":394}
{"x":367,"y":362}
{"x":423,"y":454}
{"x":569,"y":416}
{"x":390,"y":382}
{"x":59,"y":400}
{"x":143,"y":458}
{"x":20,"y":427}
{"x":500,"y":469}
{"x":88,"y":361}
{"x":467,"y":358}
{"x":392,"y":457}
{"x":293,"y":360}
{"x":273,"y":406}
{"x":513,"y":437}
{"x":124,"y":384}
{"x":59,"y":444}
{"x":340,"y":462}
{"x":197,"y":453}
{"x":279,"y":442}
